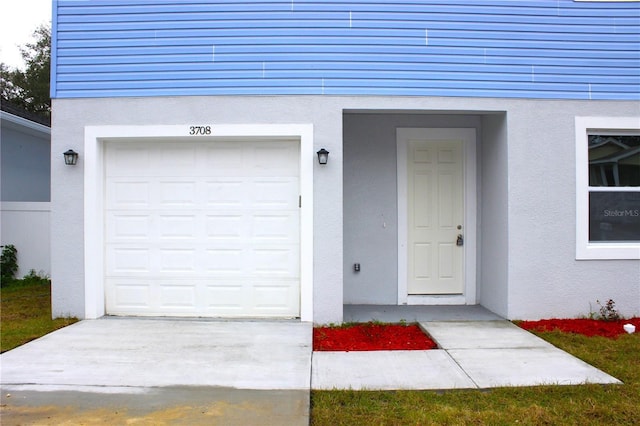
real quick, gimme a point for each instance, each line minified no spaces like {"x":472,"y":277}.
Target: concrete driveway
{"x":161,"y":371}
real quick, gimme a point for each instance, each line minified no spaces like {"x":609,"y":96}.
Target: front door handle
{"x":460,"y":240}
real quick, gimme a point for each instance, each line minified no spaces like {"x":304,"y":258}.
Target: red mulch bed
{"x":371,"y":337}
{"x":588,"y":327}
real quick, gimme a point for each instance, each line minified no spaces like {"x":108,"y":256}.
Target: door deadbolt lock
{"x":460,"y":240}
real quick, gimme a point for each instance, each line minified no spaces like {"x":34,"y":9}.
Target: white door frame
{"x":468,"y":136}
{"x":93,"y":155}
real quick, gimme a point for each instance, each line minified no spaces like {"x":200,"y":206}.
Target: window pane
{"x":614,"y":160}
{"x":614,"y":216}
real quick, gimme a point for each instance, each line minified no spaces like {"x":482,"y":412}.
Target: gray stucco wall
{"x":527,"y":214}
{"x":26,"y":173}
{"x":493,"y":258}
{"x":545,"y":280}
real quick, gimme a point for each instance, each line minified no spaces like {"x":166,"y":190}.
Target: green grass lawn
{"x":544,"y":405}
{"x":25,"y":312}
{"x":26,"y":315}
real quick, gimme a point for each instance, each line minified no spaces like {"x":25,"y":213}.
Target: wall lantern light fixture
{"x":323,"y":156}
{"x":70,"y":157}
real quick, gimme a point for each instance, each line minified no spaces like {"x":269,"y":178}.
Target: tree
{"x":29,"y":89}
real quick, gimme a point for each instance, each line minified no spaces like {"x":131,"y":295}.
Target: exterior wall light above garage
{"x":323,"y":156}
{"x":70,"y":157}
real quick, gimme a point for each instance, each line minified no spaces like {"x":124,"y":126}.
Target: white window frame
{"x":585,"y":126}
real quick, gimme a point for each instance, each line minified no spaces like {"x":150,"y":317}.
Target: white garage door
{"x":202,"y":229}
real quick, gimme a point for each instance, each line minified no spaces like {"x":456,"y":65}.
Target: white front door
{"x":432,"y":174}
{"x":435,"y":216}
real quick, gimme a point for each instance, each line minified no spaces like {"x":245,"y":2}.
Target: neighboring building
{"x":25,"y":187}
{"x":473,"y":149}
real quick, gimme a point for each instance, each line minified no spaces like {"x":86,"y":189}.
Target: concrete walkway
{"x":161,"y":371}
{"x":473,"y":354}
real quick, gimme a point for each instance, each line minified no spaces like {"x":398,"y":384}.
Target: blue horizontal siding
{"x":219,"y":77}
{"x":95,"y":38}
{"x":502,"y":48}
{"x":180,"y":70}
{"x":364,"y":44}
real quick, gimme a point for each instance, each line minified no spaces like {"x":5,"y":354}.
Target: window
{"x":608,"y":187}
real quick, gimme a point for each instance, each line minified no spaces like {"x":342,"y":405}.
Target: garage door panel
{"x":127,"y":296}
{"x":222,"y":297}
{"x":177,"y":296}
{"x":224,"y":160}
{"x":127,"y":226}
{"x":216,"y":235}
{"x":177,"y":193}
{"x":226,"y":227}
{"x":181,"y":160}
{"x":225,"y":261}
{"x":269,"y":261}
{"x":126,"y":260}
{"x":276,"y":227}
{"x":272,"y":296}
{"x":126,"y":160}
{"x":229,"y":299}
{"x":223,"y":226}
{"x":274,"y":194}
{"x":177,"y":260}
{"x":274,"y":159}
{"x":174,"y":226}
{"x":127,"y":193}
{"x":225,"y":193}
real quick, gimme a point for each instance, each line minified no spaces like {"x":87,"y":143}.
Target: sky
{"x":18,"y":20}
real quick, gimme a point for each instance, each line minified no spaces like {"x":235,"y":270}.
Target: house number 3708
{"x":199,"y":130}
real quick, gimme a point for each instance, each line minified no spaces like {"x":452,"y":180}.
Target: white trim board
{"x":93,"y":158}
{"x":468,"y":136}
